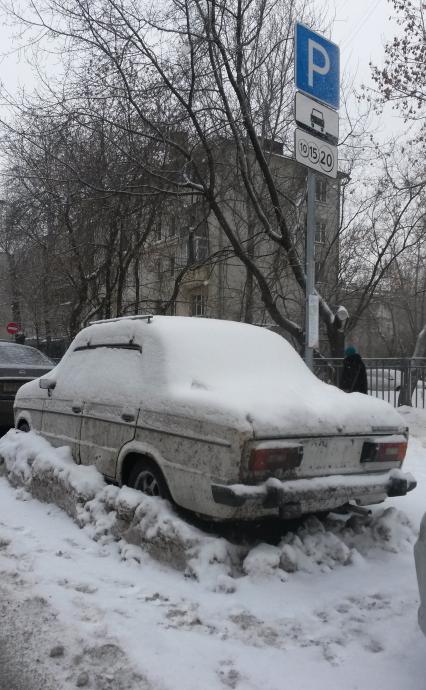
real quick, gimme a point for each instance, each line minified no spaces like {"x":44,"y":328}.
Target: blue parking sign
{"x":317,"y":66}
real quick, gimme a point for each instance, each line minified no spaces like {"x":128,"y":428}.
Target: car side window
{"x":106,"y":373}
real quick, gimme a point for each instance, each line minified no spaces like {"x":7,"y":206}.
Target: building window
{"x":156,"y":231}
{"x":171,"y":228}
{"x":319,"y":272}
{"x":198,"y":305}
{"x":172,"y":265}
{"x":321,"y":190}
{"x":182,"y":256}
{"x":201,"y":248}
{"x":320,"y":232}
{"x":198,"y":248}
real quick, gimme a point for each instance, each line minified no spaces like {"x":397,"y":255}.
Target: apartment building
{"x":190,"y":268}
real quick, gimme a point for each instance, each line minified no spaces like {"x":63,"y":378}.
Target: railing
{"x":394,"y":379}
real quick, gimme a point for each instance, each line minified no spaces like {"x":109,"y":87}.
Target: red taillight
{"x":384,"y":452}
{"x":268,"y":459}
{"x":392,"y":451}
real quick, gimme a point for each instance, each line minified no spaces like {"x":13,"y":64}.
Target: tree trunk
{"x":14,"y":282}
{"x":411,"y":375}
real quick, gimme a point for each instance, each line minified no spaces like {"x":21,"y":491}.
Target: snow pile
{"x":390,"y":529}
{"x":262,"y":560}
{"x":314,"y":546}
{"x":339,"y":541}
{"x":151,"y":523}
{"x":143,"y":525}
{"x":109,"y":513}
{"x":50,"y":474}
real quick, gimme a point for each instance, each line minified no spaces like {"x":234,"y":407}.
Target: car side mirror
{"x":47,"y":384}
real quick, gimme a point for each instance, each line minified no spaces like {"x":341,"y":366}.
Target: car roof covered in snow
{"x":234,"y":372}
{"x":200,"y":350}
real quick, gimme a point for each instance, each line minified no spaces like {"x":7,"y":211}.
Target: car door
{"x":63,"y":407}
{"x":110,"y":405}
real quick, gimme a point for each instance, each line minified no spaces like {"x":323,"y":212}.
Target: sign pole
{"x":317,"y":80}
{"x":310,"y":272}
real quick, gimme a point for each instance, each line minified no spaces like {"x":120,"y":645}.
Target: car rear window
{"x":22,"y":355}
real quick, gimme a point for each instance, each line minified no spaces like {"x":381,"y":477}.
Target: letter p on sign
{"x":317,"y":66}
{"x":313,"y":66}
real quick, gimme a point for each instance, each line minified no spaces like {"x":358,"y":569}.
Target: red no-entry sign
{"x":13,"y":328}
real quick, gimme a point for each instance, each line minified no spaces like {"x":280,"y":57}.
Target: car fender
{"x":184,"y":493}
{"x":140,"y":448}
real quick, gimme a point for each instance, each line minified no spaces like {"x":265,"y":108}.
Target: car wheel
{"x":24,"y":426}
{"x":145,"y":476}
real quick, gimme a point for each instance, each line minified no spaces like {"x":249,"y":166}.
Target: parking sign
{"x":317,"y":66}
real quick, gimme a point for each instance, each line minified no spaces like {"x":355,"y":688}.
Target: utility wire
{"x":358,"y":26}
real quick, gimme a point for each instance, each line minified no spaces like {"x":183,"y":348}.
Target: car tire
{"x":145,"y":476}
{"x":24,"y":426}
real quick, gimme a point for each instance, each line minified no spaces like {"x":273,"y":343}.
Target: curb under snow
{"x":109,"y":513}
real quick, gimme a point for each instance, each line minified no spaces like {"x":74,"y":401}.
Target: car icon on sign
{"x":317,"y":119}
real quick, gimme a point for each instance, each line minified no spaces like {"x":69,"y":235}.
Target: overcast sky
{"x":361,"y":27}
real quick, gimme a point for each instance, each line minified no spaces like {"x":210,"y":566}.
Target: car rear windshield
{"x":21,"y":355}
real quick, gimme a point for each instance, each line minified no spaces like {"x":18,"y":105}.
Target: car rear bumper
{"x":296,"y":497}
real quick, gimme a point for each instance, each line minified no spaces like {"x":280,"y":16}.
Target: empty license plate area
{"x":325,"y":456}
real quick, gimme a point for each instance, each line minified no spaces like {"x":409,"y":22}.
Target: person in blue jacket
{"x":354,"y":375}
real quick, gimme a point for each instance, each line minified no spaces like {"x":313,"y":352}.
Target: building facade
{"x":189,"y":266}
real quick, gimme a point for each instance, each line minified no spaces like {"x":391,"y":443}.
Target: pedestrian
{"x":354,"y":375}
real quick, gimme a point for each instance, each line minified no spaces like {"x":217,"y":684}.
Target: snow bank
{"x":109,"y":513}
{"x":143,"y":525}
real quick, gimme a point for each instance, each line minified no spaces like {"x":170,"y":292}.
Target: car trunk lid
{"x":332,"y":414}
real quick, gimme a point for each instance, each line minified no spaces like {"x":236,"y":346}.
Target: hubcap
{"x":147,"y":483}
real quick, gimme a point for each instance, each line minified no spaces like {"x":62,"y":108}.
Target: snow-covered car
{"x":224,"y":418}
{"x":18,"y":364}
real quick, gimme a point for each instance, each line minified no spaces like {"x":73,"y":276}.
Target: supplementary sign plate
{"x":315,"y":153}
{"x":316,"y":117}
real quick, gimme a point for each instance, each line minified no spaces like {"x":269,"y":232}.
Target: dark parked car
{"x":18,"y":364}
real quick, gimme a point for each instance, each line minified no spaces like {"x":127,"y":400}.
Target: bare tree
{"x":205,"y":84}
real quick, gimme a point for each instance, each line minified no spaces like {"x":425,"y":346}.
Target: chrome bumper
{"x":297,"y":496}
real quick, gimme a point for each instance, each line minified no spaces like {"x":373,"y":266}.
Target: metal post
{"x":310,"y":264}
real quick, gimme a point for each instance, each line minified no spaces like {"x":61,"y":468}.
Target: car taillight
{"x":383,"y":452}
{"x":267,"y":459}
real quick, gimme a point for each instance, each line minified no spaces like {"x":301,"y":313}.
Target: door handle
{"x":126,"y":417}
{"x":76,"y":409}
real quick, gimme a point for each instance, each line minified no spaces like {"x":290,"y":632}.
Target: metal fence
{"x":396,"y":380}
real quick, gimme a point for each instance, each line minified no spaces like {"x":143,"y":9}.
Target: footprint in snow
{"x":82,"y":587}
{"x":228,"y":675}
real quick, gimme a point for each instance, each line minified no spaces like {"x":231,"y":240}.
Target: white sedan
{"x":223,"y":418}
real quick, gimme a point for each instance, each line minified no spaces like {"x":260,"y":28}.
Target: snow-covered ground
{"x":334,"y":606}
